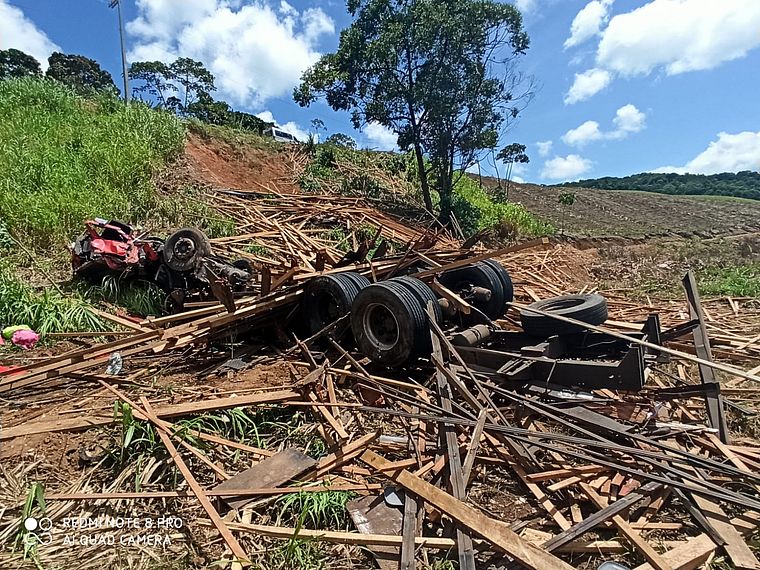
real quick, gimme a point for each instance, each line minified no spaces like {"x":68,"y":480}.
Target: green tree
{"x":81,"y":73}
{"x":566,"y":199}
{"x":194,"y":79}
{"x":16,"y":63}
{"x":510,"y":155}
{"x":439,"y":73}
{"x":206,"y":109}
{"x":156,"y":79}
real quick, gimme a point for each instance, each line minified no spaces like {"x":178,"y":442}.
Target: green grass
{"x":45,"y":310}
{"x":64,"y":159}
{"x":315,"y":510}
{"x":232,"y":136}
{"x":733,"y":281}
{"x":477,"y":210}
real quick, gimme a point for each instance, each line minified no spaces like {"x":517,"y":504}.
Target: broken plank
{"x":497,"y":533}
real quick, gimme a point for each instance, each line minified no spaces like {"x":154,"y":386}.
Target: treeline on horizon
{"x":744,"y":184}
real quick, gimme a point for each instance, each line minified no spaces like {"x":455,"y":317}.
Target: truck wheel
{"x":389,"y":324}
{"x":506,"y":280}
{"x":328,"y":298}
{"x":422,"y":293}
{"x":591,"y":309}
{"x":184,"y":249}
{"x":478,"y":275}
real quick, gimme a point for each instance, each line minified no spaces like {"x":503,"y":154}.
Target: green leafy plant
{"x":138,"y":438}
{"x":317,"y":510}
{"x":46,"y":310}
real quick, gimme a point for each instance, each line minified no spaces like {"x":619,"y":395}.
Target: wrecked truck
{"x":181,"y":265}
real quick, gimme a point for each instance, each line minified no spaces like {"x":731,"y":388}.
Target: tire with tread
{"x":389,"y":324}
{"x":423,"y":293}
{"x":326,"y":299}
{"x":478,"y":275}
{"x":591,"y":309}
{"x":506,"y":280}
{"x":184,"y":261}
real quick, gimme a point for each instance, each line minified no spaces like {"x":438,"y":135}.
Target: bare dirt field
{"x":637,"y":214}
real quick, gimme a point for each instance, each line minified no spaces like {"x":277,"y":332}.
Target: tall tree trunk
{"x":424,"y":184}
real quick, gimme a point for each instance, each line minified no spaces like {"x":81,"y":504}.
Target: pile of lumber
{"x":441,"y":459}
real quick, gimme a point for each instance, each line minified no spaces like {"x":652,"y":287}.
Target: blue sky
{"x":626,"y":86}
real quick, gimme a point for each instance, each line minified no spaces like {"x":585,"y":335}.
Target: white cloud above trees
{"x":256,"y":51}
{"x":588,"y":22}
{"x":667,"y":36}
{"x":19,"y":32}
{"x":729,"y":153}
{"x":628,"y":119}
{"x":565,"y":167}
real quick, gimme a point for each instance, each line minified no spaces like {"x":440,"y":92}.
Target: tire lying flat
{"x":389,"y":324}
{"x":329,"y":297}
{"x":591,"y":309}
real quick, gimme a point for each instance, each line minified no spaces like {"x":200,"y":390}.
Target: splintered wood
{"x":441,"y":459}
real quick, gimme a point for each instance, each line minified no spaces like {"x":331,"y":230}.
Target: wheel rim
{"x":381,"y":326}
{"x":184,"y":249}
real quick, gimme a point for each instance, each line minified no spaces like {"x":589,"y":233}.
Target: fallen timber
{"x":617,"y":478}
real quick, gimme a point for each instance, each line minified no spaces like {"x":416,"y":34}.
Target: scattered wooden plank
{"x":271,"y":472}
{"x":495,"y":532}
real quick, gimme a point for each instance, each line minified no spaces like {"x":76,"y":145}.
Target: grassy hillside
{"x":744,"y":184}
{"x":65,"y":159}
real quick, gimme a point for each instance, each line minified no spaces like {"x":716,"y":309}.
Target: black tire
{"x":506,"y":280}
{"x":326,"y":299}
{"x":389,"y":324}
{"x":591,"y":309}
{"x":478,"y":275}
{"x":184,"y":249}
{"x":422,"y":293}
{"x":359,"y":280}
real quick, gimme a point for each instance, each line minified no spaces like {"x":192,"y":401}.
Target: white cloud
{"x":628,"y":119}
{"x":679,"y":36}
{"x":588,"y":22}
{"x":585,"y":133}
{"x":544,"y":147}
{"x":255,"y":51}
{"x":525,"y":5}
{"x":289,"y":127}
{"x":587,"y":84}
{"x":380,"y":137}
{"x":565,"y":167}
{"x":730,"y":153}
{"x":19,"y":32}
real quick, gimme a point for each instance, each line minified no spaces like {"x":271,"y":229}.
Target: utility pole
{"x":117,"y":4}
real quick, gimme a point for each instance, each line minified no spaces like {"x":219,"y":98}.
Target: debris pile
{"x":605,"y":436}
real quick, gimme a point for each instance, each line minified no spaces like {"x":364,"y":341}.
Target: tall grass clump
{"x":476,"y":210}
{"x":64,"y":159}
{"x":45,"y":310}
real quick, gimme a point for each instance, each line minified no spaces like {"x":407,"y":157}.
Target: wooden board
{"x":371,"y":515}
{"x":497,"y":533}
{"x":271,"y":472}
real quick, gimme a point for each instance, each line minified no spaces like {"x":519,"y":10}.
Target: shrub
{"x":476,"y":210}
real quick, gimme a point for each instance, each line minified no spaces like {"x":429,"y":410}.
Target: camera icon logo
{"x":38,"y":531}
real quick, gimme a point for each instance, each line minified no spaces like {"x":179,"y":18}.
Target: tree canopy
{"x":16,"y":63}
{"x":439,"y":73}
{"x":744,"y":184}
{"x":81,"y":73}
